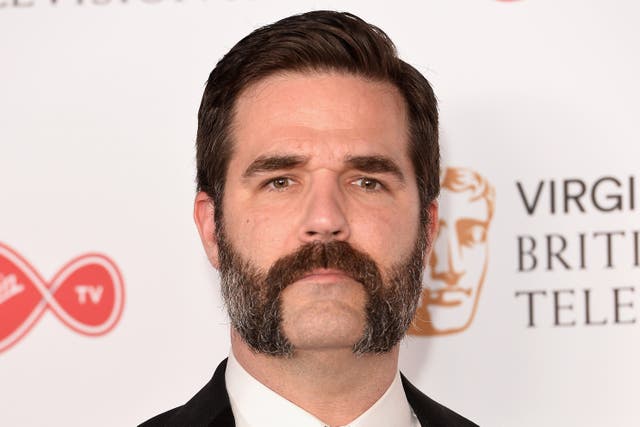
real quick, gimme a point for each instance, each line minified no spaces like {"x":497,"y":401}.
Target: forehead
{"x":321,"y":114}
{"x":463,"y":204}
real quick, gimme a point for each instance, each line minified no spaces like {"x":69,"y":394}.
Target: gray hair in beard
{"x":253,"y":296}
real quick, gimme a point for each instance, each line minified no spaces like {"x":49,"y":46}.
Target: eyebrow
{"x":368,"y":164}
{"x":274,"y":163}
{"x":375,"y":164}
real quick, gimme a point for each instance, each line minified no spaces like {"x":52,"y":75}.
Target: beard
{"x":254,"y":303}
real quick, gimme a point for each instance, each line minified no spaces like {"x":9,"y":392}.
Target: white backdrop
{"x":98,"y":102}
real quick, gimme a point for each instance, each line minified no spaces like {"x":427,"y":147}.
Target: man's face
{"x":457,"y":265}
{"x":322,"y":158}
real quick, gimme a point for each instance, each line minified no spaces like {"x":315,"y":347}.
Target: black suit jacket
{"x":210,"y":407}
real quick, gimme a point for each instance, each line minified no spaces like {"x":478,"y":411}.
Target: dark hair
{"x":313,"y":41}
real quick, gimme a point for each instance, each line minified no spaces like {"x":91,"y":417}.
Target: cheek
{"x":386,"y":235}
{"x":258,"y":233}
{"x":475,"y":259}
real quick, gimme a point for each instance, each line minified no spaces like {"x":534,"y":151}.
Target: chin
{"x":324,"y":325}
{"x":448,"y":320}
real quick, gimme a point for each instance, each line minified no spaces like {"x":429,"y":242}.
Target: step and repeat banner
{"x":110,"y":312}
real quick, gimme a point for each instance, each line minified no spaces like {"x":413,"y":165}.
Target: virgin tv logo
{"x":458,"y":263}
{"x":87,"y":295}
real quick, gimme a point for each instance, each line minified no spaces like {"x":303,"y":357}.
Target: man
{"x":317,"y":154}
{"x":458,"y":263}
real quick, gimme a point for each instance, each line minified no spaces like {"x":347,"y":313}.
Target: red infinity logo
{"x":87,"y":295}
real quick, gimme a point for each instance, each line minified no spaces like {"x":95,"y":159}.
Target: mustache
{"x":253,"y":295}
{"x":336,"y":255}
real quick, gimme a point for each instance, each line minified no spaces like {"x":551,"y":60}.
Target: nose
{"x":323,"y":213}
{"x":446,"y":259}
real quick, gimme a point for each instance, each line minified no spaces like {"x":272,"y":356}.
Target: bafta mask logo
{"x":456,"y":270}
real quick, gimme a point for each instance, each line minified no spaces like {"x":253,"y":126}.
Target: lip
{"x":325,"y":275}
{"x":445,"y":296}
{"x":450,"y":290}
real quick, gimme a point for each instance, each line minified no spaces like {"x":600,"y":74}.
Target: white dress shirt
{"x":255,"y":405}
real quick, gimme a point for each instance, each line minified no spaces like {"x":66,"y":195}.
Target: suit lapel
{"x":210,"y":407}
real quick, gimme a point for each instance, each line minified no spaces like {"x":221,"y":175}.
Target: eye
{"x":279,"y":184}
{"x":368,"y":184}
{"x":471,"y":232}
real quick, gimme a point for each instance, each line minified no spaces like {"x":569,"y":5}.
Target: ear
{"x":432,"y":229}
{"x":203,"y":211}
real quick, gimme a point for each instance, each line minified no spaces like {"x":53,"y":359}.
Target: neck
{"x":334,"y":385}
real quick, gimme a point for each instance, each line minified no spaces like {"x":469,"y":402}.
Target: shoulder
{"x":209,"y":407}
{"x":431,"y":413}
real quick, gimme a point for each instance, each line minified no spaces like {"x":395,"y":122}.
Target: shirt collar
{"x":253,"y":404}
